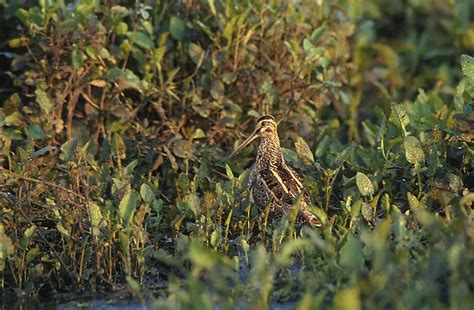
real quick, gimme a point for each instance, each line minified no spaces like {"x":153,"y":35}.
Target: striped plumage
{"x":272,"y":181}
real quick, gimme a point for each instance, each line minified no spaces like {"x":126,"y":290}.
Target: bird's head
{"x":265,"y":128}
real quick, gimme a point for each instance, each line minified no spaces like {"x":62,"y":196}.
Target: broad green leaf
{"x":6,"y":247}
{"x":147,"y":193}
{"x":134,"y":286}
{"x":96,"y":219}
{"x":42,"y":151}
{"x":351,"y":256}
{"x":119,"y":11}
{"x":365,"y":186}
{"x":399,"y":117}
{"x":127,"y":206}
{"x":467,"y":66}
{"x":77,"y":58}
{"x":43,"y":100}
{"x":35,"y":132}
{"x":217,"y":90}
{"x":141,"y":39}
{"x":62,"y":229}
{"x":413,"y":151}
{"x":347,"y":298}
{"x":303,"y":151}
{"x":68,"y":150}
{"x":196,"y":53}
{"x":27,"y":236}
{"x":204,"y":257}
{"x":17,"y":42}
{"x":118,"y":147}
{"x":113,"y":74}
{"x":229,"y":173}
{"x":133,"y":80}
{"x":199,"y":133}
{"x":317,"y":33}
{"x":413,"y":201}
{"x":212,"y":6}
{"x":177,"y":28}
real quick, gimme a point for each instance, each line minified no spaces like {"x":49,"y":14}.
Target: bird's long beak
{"x":244,"y":144}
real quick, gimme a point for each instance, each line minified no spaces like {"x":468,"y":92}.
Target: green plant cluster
{"x":116,"y":119}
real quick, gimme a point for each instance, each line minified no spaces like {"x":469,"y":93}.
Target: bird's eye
{"x":264,"y":123}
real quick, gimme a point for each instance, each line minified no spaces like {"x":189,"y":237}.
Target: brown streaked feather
{"x":272,"y":181}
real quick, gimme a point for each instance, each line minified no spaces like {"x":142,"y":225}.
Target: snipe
{"x":272,"y":181}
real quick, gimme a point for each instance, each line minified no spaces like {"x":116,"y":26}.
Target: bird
{"x":272,"y":182}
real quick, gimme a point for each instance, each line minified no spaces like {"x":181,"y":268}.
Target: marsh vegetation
{"x":116,"y":119}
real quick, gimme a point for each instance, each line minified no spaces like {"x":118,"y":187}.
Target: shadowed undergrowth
{"x":116,"y":119}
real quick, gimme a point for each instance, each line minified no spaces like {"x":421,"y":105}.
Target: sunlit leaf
{"x":43,"y":100}
{"x":351,"y":256}
{"x":413,"y":151}
{"x":365,"y":186}
{"x":42,"y":151}
{"x":141,"y":39}
{"x":399,"y":116}
{"x":196,"y":53}
{"x":467,"y":66}
{"x":147,"y":193}
{"x":127,"y":206}
{"x":347,"y":298}
{"x":28,"y":236}
{"x":96,"y":219}
{"x":35,"y":132}
{"x":303,"y":150}
{"x":68,"y":150}
{"x":177,"y":28}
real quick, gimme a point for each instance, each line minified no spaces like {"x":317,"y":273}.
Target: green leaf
{"x":217,"y":90}
{"x":177,"y":28}
{"x":68,"y":150}
{"x":351,"y":255}
{"x":317,"y":33}
{"x":118,"y":147}
{"x":141,"y":39}
{"x":212,"y":6}
{"x":467,"y":66}
{"x":27,"y":236}
{"x":413,"y":151}
{"x":119,"y":11}
{"x":229,"y":173}
{"x":127,"y":206}
{"x":96,"y":219}
{"x":365,"y":186}
{"x":42,"y":151}
{"x":43,"y":100}
{"x":413,"y":202}
{"x":196,"y":53}
{"x":34,"y":132}
{"x":77,"y":58}
{"x":347,"y":298}
{"x":134,"y":286}
{"x":62,"y":229}
{"x":133,"y":80}
{"x":303,"y":151}
{"x":113,"y":74}
{"x":199,"y":133}
{"x":6,"y":247}
{"x":399,"y":117}
{"x":147,"y":193}
{"x":204,"y":257}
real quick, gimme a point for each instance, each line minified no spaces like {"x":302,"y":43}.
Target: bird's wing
{"x":284,"y":183}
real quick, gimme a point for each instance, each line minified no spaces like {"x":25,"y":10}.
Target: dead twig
{"x":67,"y":190}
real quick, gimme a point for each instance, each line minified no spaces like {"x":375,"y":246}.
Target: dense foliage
{"x":116,"y":119}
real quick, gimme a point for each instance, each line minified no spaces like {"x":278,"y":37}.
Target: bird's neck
{"x":269,"y":152}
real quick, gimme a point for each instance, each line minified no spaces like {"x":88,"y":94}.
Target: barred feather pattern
{"x":274,"y":182}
